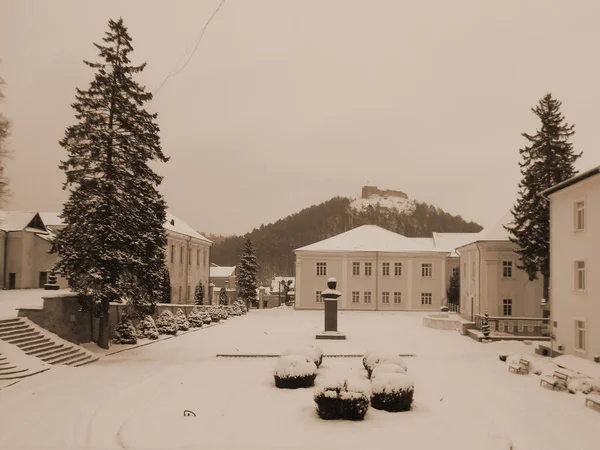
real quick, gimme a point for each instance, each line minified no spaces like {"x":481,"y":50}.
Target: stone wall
{"x":369,"y":191}
{"x":442,"y":321}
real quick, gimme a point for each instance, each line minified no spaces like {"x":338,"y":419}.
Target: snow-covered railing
{"x":517,"y":326}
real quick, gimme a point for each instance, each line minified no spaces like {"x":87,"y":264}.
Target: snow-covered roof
{"x":425,"y":240}
{"x":370,"y":238}
{"x":218,"y":271}
{"x":571,"y":181}
{"x":51,"y":219}
{"x":451,"y":241}
{"x":494,"y":233}
{"x":17,"y":220}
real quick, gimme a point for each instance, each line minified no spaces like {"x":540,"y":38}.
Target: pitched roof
{"x":17,"y":220}
{"x":494,"y":233}
{"x":451,"y":241}
{"x":51,"y":219}
{"x":219,"y":271}
{"x":370,"y":238}
{"x":571,"y":181}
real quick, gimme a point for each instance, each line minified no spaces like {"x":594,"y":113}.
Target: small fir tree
{"x":199,"y":293}
{"x":195,"y":318}
{"x":248,"y":268}
{"x":453,"y":293}
{"x":547,"y":161}
{"x":165,"y":286}
{"x":147,"y":329}
{"x":485,"y":326}
{"x":166,"y":323}
{"x":182,"y":322}
{"x":113,"y":245}
{"x":125,"y":332}
{"x":223,"y":298}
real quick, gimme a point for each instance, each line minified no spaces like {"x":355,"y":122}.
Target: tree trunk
{"x":103,"y":326}
{"x":546,"y":292}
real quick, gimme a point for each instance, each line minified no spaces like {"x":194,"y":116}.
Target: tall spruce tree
{"x":248,"y":268}
{"x":165,"y":286}
{"x":453,"y":293}
{"x":199,"y":293}
{"x":5,"y":126}
{"x":113,"y":245}
{"x":547,"y":160}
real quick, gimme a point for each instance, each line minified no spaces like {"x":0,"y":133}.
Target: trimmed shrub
{"x":125,"y":332}
{"x":242,"y":306}
{"x":147,"y":328}
{"x":342,"y":400}
{"x":294,"y":371}
{"x":205,"y":317}
{"x":215,"y":316}
{"x":387,"y":368}
{"x":222,"y":313}
{"x":392,"y":392}
{"x":166,"y":323}
{"x":314,"y":353}
{"x":195,"y":318}
{"x":182,"y":321}
{"x":375,"y":358}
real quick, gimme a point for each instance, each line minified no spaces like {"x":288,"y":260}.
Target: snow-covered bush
{"x":125,"y":333}
{"x":182,"y":321}
{"x":387,"y":368}
{"x":147,"y":328}
{"x":392,"y":392}
{"x":346,"y":399}
{"x":205,"y":317}
{"x":166,"y":323}
{"x":374,"y":358}
{"x":294,"y":371}
{"x":222,"y":313}
{"x":215,"y":316}
{"x":195,"y":318}
{"x":242,"y":306}
{"x":236,"y":310}
{"x":310,"y":351}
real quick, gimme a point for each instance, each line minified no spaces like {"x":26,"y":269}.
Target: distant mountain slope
{"x":276,"y":242}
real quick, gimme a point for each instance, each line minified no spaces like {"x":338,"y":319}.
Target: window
{"x":355,"y":268}
{"x":172,"y":253}
{"x":455,"y":272}
{"x":398,"y":269}
{"x":181,"y":255}
{"x":179,"y":293}
{"x":579,"y":216}
{"x":205,"y":258}
{"x":507,"y":269}
{"x":355,"y":296}
{"x":397,"y":297}
{"x":190,"y":257}
{"x":187,"y":297}
{"x":473,"y":271}
{"x":367,"y":296}
{"x":385,"y":269}
{"x":507,"y":307}
{"x":321,"y":268}
{"x":198,"y":257}
{"x":385,"y":297}
{"x":425,"y":298}
{"x":426,"y":270}
{"x":368,"y":269}
{"x":580,"y":335}
{"x":464,"y":270}
{"x":318,"y":297}
{"x":580,"y":275}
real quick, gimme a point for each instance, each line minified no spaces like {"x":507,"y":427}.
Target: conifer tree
{"x":547,"y":160}
{"x":5,"y":126}
{"x":165,"y":286}
{"x":199,"y":293}
{"x":113,"y":245}
{"x":246,"y":281}
{"x":223,"y":298}
{"x":485,"y":326}
{"x":453,"y":293}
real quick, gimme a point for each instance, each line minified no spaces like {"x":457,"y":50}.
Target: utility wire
{"x":194,"y":50}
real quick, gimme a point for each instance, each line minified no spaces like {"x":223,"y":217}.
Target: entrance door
{"x":43,"y":279}
{"x":12,"y":280}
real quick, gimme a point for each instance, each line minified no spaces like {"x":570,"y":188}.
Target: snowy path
{"x":465,"y":398}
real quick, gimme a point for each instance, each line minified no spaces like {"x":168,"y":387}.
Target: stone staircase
{"x":48,"y":347}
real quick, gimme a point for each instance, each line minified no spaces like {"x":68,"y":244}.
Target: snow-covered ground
{"x":465,"y":398}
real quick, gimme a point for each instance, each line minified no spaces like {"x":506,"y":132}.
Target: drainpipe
{"x":376,"y":280}
{"x":479,"y":279}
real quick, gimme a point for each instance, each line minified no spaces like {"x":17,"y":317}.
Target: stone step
{"x":58,"y":358}
{"x":9,"y":321}
{"x":12,"y":372}
{"x":70,"y":359}
{"x":35,"y":344}
{"x":23,"y":338}
{"x":4,"y":363}
{"x":14,"y":332}
{"x":40,"y":353}
{"x":12,"y":327}
{"x":85,"y":359}
{"x":7,"y":367}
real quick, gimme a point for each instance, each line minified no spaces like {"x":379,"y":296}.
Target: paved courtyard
{"x":464,"y":396}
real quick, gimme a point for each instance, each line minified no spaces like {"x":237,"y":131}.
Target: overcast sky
{"x":287,"y":103}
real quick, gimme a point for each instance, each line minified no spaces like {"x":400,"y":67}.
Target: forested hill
{"x":276,"y":242}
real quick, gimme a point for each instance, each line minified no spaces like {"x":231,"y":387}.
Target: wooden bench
{"x":558,"y":380}
{"x":593,"y":399}
{"x":522,"y":368}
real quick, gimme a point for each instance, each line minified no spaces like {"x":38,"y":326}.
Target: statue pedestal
{"x":331,"y":331}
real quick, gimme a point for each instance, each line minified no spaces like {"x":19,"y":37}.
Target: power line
{"x":195,"y":47}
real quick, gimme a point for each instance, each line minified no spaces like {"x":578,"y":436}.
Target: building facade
{"x":376,"y":269}
{"x":490,"y":281}
{"x":574,"y":264}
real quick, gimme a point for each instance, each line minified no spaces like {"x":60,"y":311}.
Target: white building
{"x":575,"y":264}
{"x":377,"y":269}
{"x":490,"y":280}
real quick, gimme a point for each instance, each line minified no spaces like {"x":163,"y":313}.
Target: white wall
{"x":567,"y":246}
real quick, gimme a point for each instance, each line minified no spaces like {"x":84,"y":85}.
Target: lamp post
{"x":330,"y":299}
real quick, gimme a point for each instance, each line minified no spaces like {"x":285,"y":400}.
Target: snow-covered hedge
{"x":205,"y":317}
{"x":195,"y":318}
{"x":215,"y":316}
{"x":310,"y":351}
{"x":387,"y":368}
{"x":222,"y":313}
{"x":347,"y":399}
{"x":182,"y":321}
{"x":392,"y":392}
{"x":125,"y":333}
{"x":372,"y":359}
{"x":294,"y":371}
{"x":166,"y":323}
{"x":242,"y":306}
{"x":147,"y":328}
